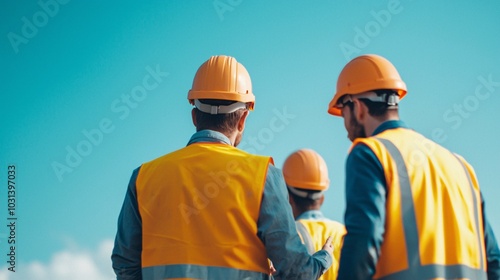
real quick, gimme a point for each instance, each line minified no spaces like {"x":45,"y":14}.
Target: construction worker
{"x":414,"y":210}
{"x":306,"y":177}
{"x":210,"y":210}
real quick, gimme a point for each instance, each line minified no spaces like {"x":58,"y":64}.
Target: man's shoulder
{"x":336,"y":225}
{"x":208,"y":149}
{"x":323,"y":220}
{"x":165,"y":157}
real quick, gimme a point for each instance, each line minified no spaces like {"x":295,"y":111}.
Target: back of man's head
{"x":224,"y":123}
{"x":306,"y":176}
{"x":380,"y":106}
{"x":221,"y":91}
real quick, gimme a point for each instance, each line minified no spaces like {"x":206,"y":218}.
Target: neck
{"x":232,"y":137}
{"x":298,"y":213}
{"x":372,"y":123}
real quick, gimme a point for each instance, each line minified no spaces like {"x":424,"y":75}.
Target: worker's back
{"x":306,"y":176}
{"x":199,"y":208}
{"x":434,"y":215}
{"x":207,"y":210}
{"x":319,"y":230}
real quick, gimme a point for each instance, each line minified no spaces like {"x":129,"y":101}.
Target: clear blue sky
{"x":74,"y":70}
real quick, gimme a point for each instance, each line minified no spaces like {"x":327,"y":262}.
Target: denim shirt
{"x":365,"y":215}
{"x":275,"y":228}
{"x":310,"y":215}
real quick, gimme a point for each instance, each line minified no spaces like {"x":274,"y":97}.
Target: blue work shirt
{"x":366,"y":193}
{"x":275,"y":227}
{"x":311,"y":215}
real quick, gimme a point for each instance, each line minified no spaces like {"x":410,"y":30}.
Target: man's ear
{"x":291,"y":201}
{"x":241,"y":122}
{"x":360,"y":110}
{"x":193,"y":116}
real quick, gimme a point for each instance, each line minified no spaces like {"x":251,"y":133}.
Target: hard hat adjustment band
{"x":219,"y":109}
{"x":304,"y":194}
{"x":390,"y":98}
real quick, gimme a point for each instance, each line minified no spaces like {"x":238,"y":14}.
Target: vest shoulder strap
{"x":306,"y":237}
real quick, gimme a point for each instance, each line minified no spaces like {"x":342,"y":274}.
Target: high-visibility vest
{"x":199,"y":208}
{"x":434,"y":226}
{"x":314,"y":233}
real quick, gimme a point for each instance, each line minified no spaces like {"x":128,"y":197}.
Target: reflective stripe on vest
{"x":416,"y":270}
{"x":476,"y":207}
{"x":305,"y":236}
{"x":191,"y":271}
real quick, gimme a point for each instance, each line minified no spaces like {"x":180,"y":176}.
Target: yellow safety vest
{"x":199,"y":208}
{"x":434,"y":226}
{"x":318,"y":231}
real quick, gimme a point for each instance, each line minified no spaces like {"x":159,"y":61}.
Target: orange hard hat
{"x":366,"y":73}
{"x":222,"y":78}
{"x":306,"y":169}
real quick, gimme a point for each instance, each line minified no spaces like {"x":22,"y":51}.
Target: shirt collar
{"x":207,"y":135}
{"x":311,"y":215}
{"x":389,"y":125}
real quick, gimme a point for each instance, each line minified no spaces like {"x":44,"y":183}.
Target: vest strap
{"x":306,"y":237}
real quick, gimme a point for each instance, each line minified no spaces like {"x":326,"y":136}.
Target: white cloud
{"x":71,"y":264}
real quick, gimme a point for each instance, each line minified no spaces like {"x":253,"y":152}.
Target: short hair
{"x":378,"y":109}
{"x":224,"y":123}
{"x":303,"y":203}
